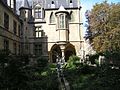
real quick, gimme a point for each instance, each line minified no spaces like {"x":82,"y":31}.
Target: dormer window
{"x":52,"y":4}
{"x":71,"y":3}
{"x":38,"y":12}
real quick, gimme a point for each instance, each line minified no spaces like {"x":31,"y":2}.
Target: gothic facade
{"x":50,"y":28}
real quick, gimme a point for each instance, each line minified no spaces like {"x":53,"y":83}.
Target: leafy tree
{"x":104,"y":27}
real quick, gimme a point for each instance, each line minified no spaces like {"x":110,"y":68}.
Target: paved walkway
{"x":64,"y":84}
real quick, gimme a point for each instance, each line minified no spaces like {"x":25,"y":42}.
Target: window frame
{"x":15,"y":48}
{"x":6,"y":44}
{"x":6,"y":21}
{"x":61,"y":22}
{"x":38,"y":32}
{"x":38,"y":12}
{"x":14,"y":27}
{"x":19,"y":30}
{"x":38,"y":49}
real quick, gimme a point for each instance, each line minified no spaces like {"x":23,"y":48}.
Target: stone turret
{"x":62,"y":26}
{"x":25,"y":11}
{"x":25,"y":15}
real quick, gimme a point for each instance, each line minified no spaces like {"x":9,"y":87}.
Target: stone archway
{"x":69,"y":51}
{"x":55,"y":50}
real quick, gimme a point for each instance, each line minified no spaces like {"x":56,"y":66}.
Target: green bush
{"x":101,"y":78}
{"x":87,"y":77}
{"x":16,"y":73}
{"x":73,"y":62}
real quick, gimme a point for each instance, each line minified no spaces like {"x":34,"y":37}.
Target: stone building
{"x":49,"y":28}
{"x":10,"y":27}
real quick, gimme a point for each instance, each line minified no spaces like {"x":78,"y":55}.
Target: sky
{"x":88,"y":5}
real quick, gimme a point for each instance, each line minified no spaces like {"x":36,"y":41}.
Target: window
{"x":71,"y":3}
{"x":19,"y":30}
{"x":6,"y":44}
{"x":72,"y":17}
{"x":52,"y":4}
{"x":10,"y":3}
{"x":38,"y":12}
{"x":26,"y":46}
{"x":38,"y":49}
{"x":66,"y":22}
{"x":61,"y":21}
{"x":38,"y":32}
{"x":15,"y":27}
{"x":15,"y":48}
{"x":6,"y":21}
{"x":52,"y":18}
{"x":19,"y":49}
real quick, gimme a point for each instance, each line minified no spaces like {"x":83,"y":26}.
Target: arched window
{"x":72,"y":17}
{"x":38,"y":12}
{"x":52,"y":18}
{"x":61,"y":21}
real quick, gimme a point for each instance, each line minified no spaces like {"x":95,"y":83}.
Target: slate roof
{"x":24,"y":4}
{"x":65,"y":3}
{"x":46,"y":4}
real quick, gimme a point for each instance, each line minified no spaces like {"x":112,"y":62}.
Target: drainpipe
{"x":80,"y":33}
{"x":79,"y":8}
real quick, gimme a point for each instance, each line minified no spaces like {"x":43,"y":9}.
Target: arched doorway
{"x":55,"y":50}
{"x":69,"y":51}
